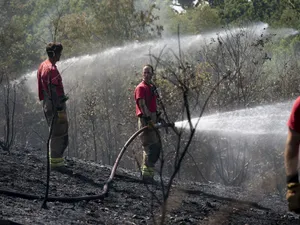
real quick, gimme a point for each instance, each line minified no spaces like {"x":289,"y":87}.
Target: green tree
{"x":116,"y":22}
{"x":84,"y":26}
{"x":195,"y":21}
{"x":186,"y":3}
{"x":17,"y":51}
{"x":267,"y":10}
{"x":236,"y":10}
{"x":289,"y":18}
{"x":216,"y":3}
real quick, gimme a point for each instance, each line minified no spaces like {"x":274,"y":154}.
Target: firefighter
{"x":146,"y":111}
{"x":51,"y":92}
{"x":291,"y":158}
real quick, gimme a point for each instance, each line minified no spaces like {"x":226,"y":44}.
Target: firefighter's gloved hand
{"x":293,"y":197}
{"x":61,"y":116}
{"x":65,"y":98}
{"x":149,"y":122}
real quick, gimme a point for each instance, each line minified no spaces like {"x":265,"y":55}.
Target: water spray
{"x":261,"y":120}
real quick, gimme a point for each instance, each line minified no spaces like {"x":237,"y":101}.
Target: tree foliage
{"x":186,"y":3}
{"x":236,"y":10}
{"x":195,"y":21}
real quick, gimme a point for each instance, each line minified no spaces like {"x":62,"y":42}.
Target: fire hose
{"x":104,"y":192}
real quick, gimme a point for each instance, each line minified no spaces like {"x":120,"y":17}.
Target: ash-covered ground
{"x":129,"y":200}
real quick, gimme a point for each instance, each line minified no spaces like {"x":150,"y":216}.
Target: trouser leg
{"x":150,"y":156}
{"x":151,"y":148}
{"x":59,"y":138}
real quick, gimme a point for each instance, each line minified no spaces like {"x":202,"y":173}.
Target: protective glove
{"x":293,"y":197}
{"x":64,"y":98}
{"x":149,"y":122}
{"x":61,"y":116}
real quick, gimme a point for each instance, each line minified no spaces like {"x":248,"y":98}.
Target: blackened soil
{"x":129,"y":201}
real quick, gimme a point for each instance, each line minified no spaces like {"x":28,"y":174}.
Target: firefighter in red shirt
{"x":51,"y":92}
{"x":291,"y":156}
{"x":146,"y":111}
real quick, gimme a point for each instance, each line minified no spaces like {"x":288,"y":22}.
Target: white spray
{"x":262,"y":120}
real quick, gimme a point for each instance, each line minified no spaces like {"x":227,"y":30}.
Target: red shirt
{"x":46,"y":72}
{"x":143,"y":91}
{"x":294,"y":120}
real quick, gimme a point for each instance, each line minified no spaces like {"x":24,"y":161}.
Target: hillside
{"x":129,"y":200}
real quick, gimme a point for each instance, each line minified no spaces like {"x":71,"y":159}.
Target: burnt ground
{"x":129,"y":200}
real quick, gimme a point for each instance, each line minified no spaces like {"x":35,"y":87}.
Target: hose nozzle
{"x":163,"y":125}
